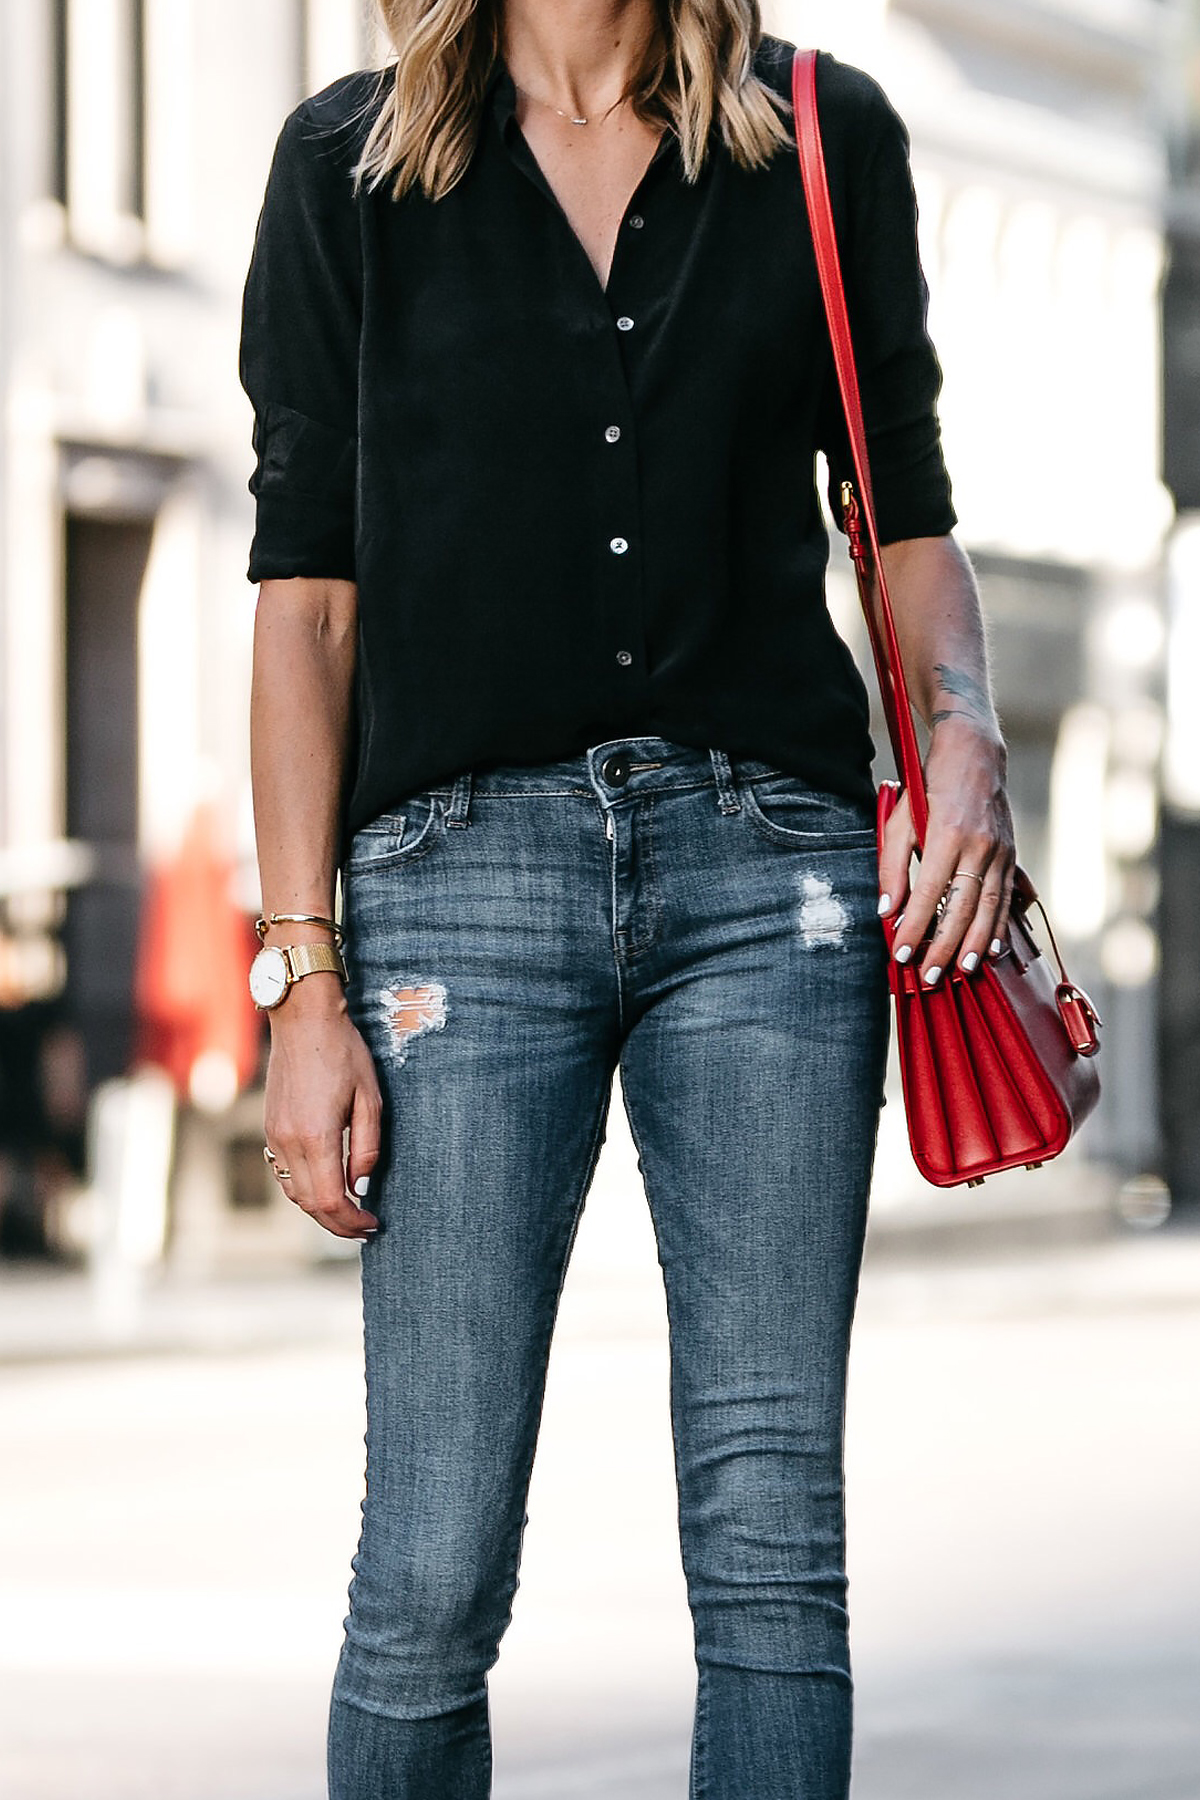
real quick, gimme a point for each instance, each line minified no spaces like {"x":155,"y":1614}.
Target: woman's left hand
{"x":970,"y":829}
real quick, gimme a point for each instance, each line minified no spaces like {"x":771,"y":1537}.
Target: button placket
{"x":623,"y":496}
{"x":613,"y":335}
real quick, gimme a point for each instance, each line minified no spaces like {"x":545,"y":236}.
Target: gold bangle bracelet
{"x":262,"y":925}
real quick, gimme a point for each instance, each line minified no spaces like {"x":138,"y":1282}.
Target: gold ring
{"x":283,"y":1174}
{"x":970,"y":875}
{"x":279,"y":1174}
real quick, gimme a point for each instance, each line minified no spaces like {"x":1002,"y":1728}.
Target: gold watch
{"x":278,"y":966}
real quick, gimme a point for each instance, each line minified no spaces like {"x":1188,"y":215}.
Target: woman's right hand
{"x":321,"y":1078}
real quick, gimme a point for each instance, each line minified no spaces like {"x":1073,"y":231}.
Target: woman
{"x":543,"y":668}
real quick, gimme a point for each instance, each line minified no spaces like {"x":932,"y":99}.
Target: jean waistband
{"x":611,"y":770}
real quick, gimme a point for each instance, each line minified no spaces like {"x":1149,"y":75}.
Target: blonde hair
{"x":698,"y":69}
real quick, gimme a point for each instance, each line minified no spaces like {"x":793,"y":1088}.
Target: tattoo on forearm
{"x":950,"y":712}
{"x":959,"y":685}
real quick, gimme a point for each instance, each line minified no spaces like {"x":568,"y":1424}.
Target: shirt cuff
{"x":909,"y":483}
{"x":304,"y":488}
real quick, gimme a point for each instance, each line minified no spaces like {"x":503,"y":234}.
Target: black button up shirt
{"x":577,"y":512}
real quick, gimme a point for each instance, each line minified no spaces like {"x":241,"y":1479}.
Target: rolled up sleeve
{"x":900,"y":377}
{"x":298,"y":358}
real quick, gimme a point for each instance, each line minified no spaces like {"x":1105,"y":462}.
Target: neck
{"x":577,"y":54}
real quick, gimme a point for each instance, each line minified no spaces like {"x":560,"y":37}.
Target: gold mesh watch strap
{"x":306,"y":959}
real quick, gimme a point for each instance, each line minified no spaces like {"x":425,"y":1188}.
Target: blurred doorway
{"x":105,"y":565}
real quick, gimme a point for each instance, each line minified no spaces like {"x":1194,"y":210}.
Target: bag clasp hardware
{"x":1080,"y":1017}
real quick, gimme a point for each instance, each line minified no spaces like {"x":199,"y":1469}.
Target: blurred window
{"x":121,"y":169}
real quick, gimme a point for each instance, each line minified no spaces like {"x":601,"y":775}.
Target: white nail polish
{"x":995,"y":946}
{"x":885,"y":903}
{"x":932,"y":976}
{"x":903,"y":953}
{"x":361,"y":1185}
{"x":970,"y":960}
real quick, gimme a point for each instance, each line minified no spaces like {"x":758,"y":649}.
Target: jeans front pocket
{"x":396,"y":837}
{"x":788,"y":811}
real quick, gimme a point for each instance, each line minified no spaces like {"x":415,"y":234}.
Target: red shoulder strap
{"x":861,"y":508}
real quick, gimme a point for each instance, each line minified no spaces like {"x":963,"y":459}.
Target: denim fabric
{"x":709,"y":924}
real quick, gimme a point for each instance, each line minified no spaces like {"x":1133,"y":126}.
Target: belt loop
{"x":727,"y":796}
{"x":459,"y":810}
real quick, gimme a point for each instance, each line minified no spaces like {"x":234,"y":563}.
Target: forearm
{"x":939,"y":623}
{"x":300,"y":699}
{"x":320,"y":1079}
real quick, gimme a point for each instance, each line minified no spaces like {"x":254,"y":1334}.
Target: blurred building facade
{"x":1039,"y":155}
{"x":136,"y":139}
{"x":1180,"y":1018}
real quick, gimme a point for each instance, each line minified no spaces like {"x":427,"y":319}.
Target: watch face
{"x":268,"y":976}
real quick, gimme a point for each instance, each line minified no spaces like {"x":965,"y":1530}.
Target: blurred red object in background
{"x":194,"y":1017}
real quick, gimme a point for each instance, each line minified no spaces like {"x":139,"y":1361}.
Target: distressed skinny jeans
{"x":708,"y":924}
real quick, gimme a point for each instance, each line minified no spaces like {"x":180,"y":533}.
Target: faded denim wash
{"x":708,"y":923}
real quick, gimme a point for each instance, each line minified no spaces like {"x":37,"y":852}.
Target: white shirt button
{"x":612,"y":433}
{"x":624,"y":323}
{"x":619,"y":545}
{"x":624,"y":658}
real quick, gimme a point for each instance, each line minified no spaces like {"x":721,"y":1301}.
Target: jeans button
{"x":615,"y":770}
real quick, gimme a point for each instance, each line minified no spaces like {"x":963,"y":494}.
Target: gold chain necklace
{"x":566,"y":115}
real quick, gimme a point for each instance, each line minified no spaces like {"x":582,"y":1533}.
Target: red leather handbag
{"x":997,"y":1066}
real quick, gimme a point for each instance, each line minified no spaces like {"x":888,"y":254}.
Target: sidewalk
{"x":1019,"y":1424}
{"x":50,"y":1314}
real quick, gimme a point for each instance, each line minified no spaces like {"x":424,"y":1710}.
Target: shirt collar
{"x":500,"y":95}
